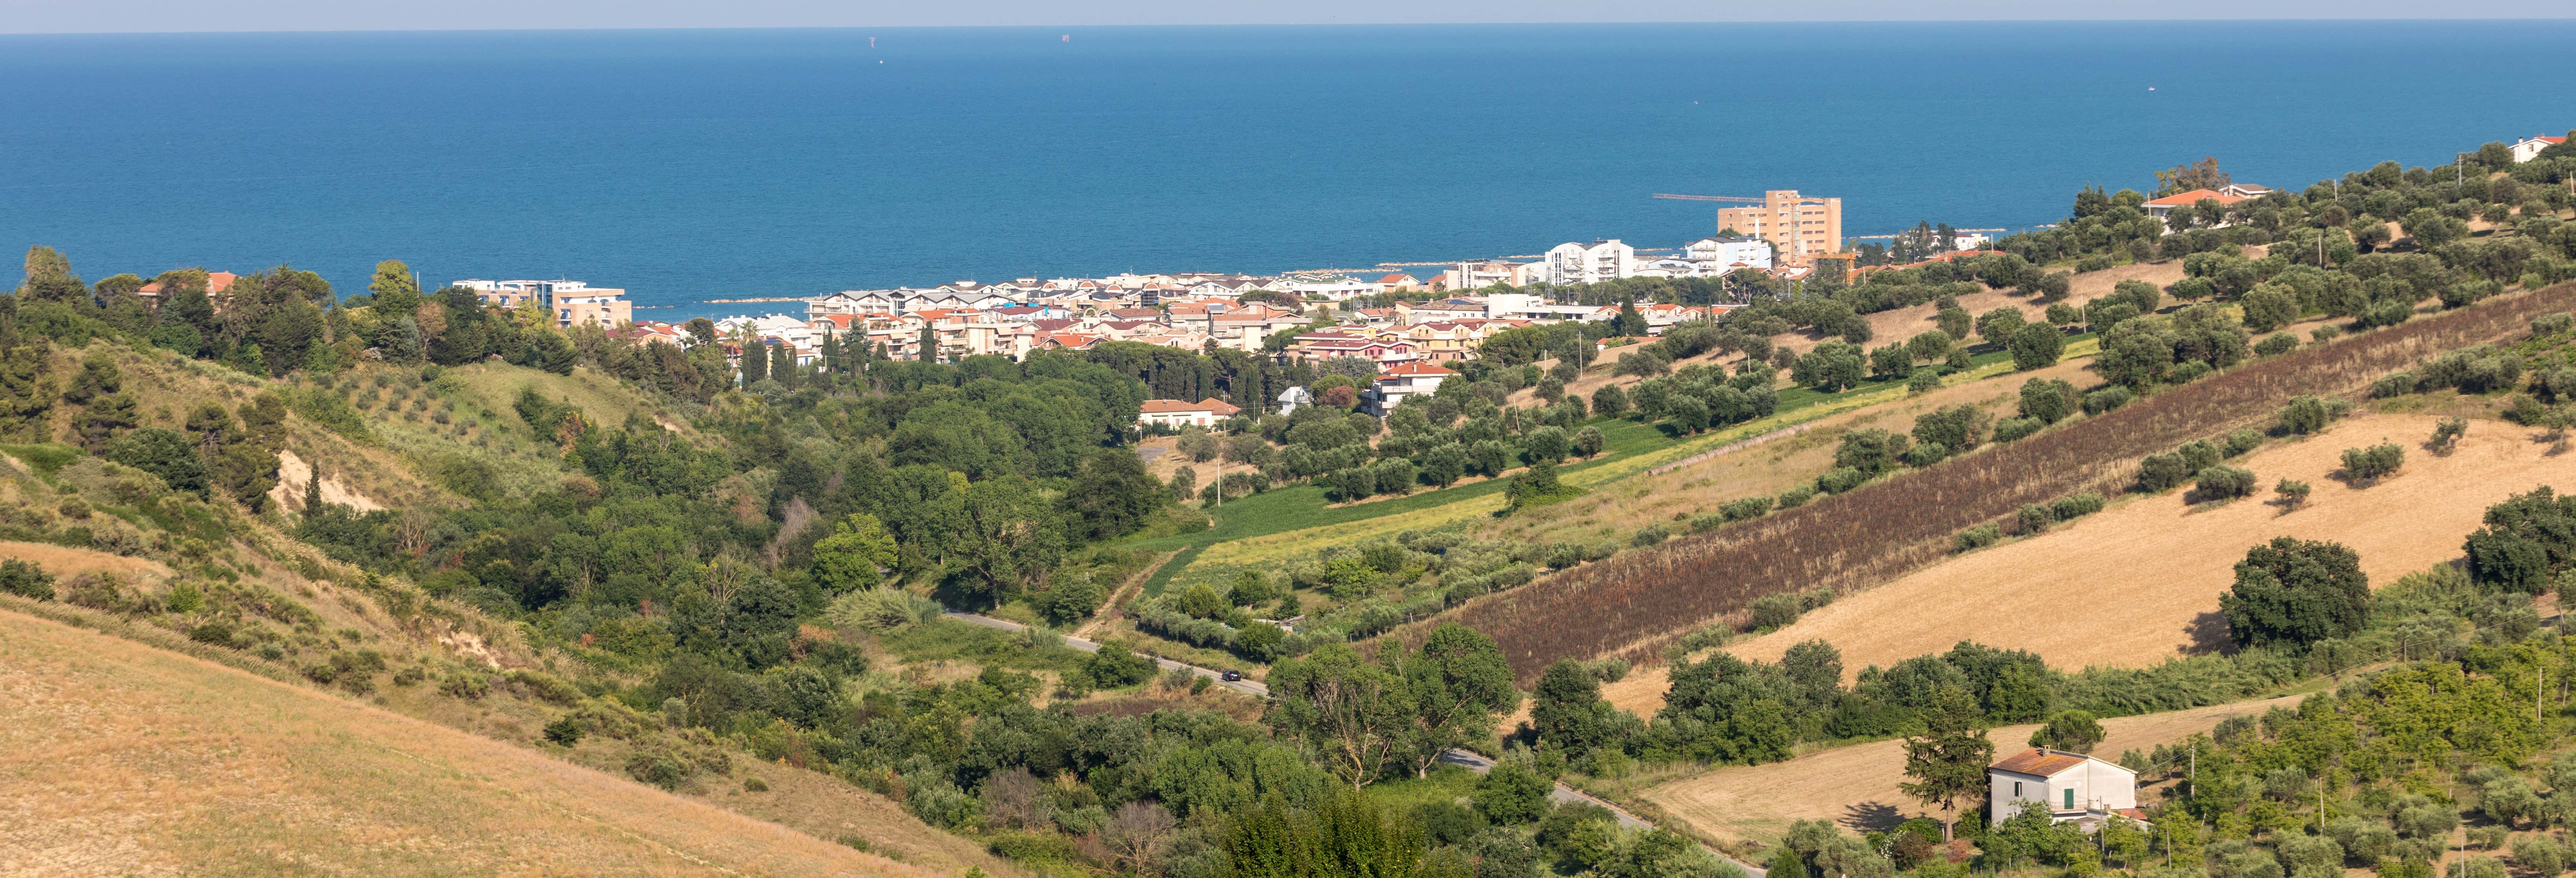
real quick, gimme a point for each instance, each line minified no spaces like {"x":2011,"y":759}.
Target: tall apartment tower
{"x":1801,"y":228}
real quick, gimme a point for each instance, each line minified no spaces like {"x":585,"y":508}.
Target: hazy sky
{"x":89,"y":16}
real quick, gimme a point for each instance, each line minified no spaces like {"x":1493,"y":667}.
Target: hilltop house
{"x":1176,"y":413}
{"x":2224,"y":195}
{"x":2529,"y":148}
{"x":2072,"y":786}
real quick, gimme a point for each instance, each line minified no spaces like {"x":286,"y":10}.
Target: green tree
{"x":1948,"y":761}
{"x":163,"y":453}
{"x":1511,"y":794}
{"x":2293,"y":591}
{"x":1547,"y":443}
{"x":1457,"y":684}
{"x":2037,"y":346}
{"x":396,"y":292}
{"x":1350,"y":710}
{"x":1997,"y":326}
{"x":1588,"y":442}
{"x":855,"y":556}
{"x":1112,"y":494}
{"x":2072,"y":730}
{"x":1562,"y":709}
{"x":1514,"y":347}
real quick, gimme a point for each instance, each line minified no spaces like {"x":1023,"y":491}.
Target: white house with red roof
{"x":1395,"y":383}
{"x":2072,"y":786}
{"x":1176,"y":413}
{"x":2529,"y":148}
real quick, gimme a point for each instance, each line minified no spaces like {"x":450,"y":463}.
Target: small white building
{"x":2073,"y":786}
{"x":1176,"y":413}
{"x":2529,"y":148}
{"x":1293,"y":397}
{"x":1576,"y":263}
{"x":1404,"y":380}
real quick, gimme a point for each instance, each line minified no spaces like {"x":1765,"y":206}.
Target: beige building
{"x":1801,"y":228}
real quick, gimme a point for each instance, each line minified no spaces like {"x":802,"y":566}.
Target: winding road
{"x":1472,"y":761}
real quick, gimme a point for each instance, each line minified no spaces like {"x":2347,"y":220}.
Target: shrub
{"x":2294,"y":493}
{"x":1701,"y":523}
{"x":2106,"y":400}
{"x":1745,"y":509}
{"x":1650,"y":536}
{"x":2016,"y":428}
{"x":1979,"y":537}
{"x":567,"y":731}
{"x":2224,"y":483}
{"x":2238,"y":442}
{"x":1796,"y":497}
{"x":1840,"y":480}
{"x":2276,"y":344}
{"x":2076,"y":505}
{"x":468,"y":684}
{"x":2159,"y":472}
{"x":26,"y":580}
{"x":2446,"y":435}
{"x":2304,"y":415}
{"x":2034,"y":518}
{"x":1775,"y":611}
{"x":2373,"y":463}
{"x":2552,"y":324}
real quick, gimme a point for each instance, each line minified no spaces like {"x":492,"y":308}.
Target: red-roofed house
{"x":1175,"y":413}
{"x":2224,"y":195}
{"x":2072,"y":786}
{"x":1398,"y":282}
{"x":216,"y":283}
{"x":2530,"y":148}
{"x":1395,"y":383}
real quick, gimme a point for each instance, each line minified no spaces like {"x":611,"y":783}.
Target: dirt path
{"x":1856,"y":786}
{"x":1109,"y":607}
{"x":2148,"y":572}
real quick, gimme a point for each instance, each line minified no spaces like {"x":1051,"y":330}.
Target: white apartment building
{"x":1525,"y":306}
{"x":1576,"y":263}
{"x":1331,"y":287}
{"x":574,"y":302}
{"x":1479,"y":275}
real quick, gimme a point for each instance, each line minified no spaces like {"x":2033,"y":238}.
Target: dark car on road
{"x":1230,"y":675}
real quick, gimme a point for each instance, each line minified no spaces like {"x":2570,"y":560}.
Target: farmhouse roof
{"x":2038,"y":762}
{"x":2194,"y":197}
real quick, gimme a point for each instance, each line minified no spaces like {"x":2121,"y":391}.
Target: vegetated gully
{"x":1475,"y":762}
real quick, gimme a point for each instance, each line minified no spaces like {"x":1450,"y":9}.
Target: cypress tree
{"x":755,"y":364}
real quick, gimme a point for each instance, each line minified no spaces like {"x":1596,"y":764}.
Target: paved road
{"x":1472,"y":761}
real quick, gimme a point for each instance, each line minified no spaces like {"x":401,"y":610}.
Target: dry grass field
{"x":1856,"y":786}
{"x":117,"y":758}
{"x":2148,"y":572}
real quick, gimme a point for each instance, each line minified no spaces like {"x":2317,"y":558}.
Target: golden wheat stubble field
{"x":117,"y":758}
{"x":2139,"y":582}
{"x":1856,"y":786}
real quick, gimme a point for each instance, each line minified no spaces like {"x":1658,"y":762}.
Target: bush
{"x":2076,"y":505}
{"x":2238,"y":442}
{"x":1841,"y":480}
{"x":566,"y":730}
{"x":1650,"y":536}
{"x":2307,"y":414}
{"x":1745,"y":509}
{"x":1979,"y":537}
{"x":2160,"y":472}
{"x":2224,"y":483}
{"x":2016,"y":428}
{"x":2276,"y":344}
{"x":1776,"y":611}
{"x":2034,"y":518}
{"x":2552,"y":324}
{"x":2373,"y":463}
{"x":1796,"y":497}
{"x":26,"y":580}
{"x":1700,"y":524}
{"x":2106,"y":399}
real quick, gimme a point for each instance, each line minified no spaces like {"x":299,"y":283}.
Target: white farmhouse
{"x":1177,"y":413}
{"x":2072,"y":786}
{"x":2529,"y":148}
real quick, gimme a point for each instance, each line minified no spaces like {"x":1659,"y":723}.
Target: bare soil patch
{"x":65,"y":561}
{"x":1856,"y":786}
{"x":2139,"y":582}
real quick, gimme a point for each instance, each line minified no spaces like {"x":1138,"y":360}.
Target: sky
{"x":146,"y":16}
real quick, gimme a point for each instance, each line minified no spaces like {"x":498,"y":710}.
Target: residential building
{"x":1330,"y":287}
{"x":1443,"y":310}
{"x":1176,"y":413}
{"x":2072,"y":786}
{"x":2160,"y":208}
{"x":216,"y":283}
{"x":1534,"y":308}
{"x":1293,"y":397}
{"x":574,"y":302}
{"x":1727,"y":253}
{"x":1397,"y":382}
{"x":1332,"y":344}
{"x":1575,"y":263}
{"x":1801,"y":228}
{"x":2529,"y":148}
{"x":1398,"y":283}
{"x":1479,"y":275}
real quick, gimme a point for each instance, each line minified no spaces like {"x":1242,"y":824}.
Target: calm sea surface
{"x":689,"y":165}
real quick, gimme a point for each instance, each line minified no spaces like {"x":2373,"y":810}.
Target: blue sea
{"x":695,"y":165}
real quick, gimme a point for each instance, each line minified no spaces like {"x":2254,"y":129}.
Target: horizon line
{"x":1276,"y":24}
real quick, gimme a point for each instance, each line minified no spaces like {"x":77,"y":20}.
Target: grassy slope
{"x":125,"y":758}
